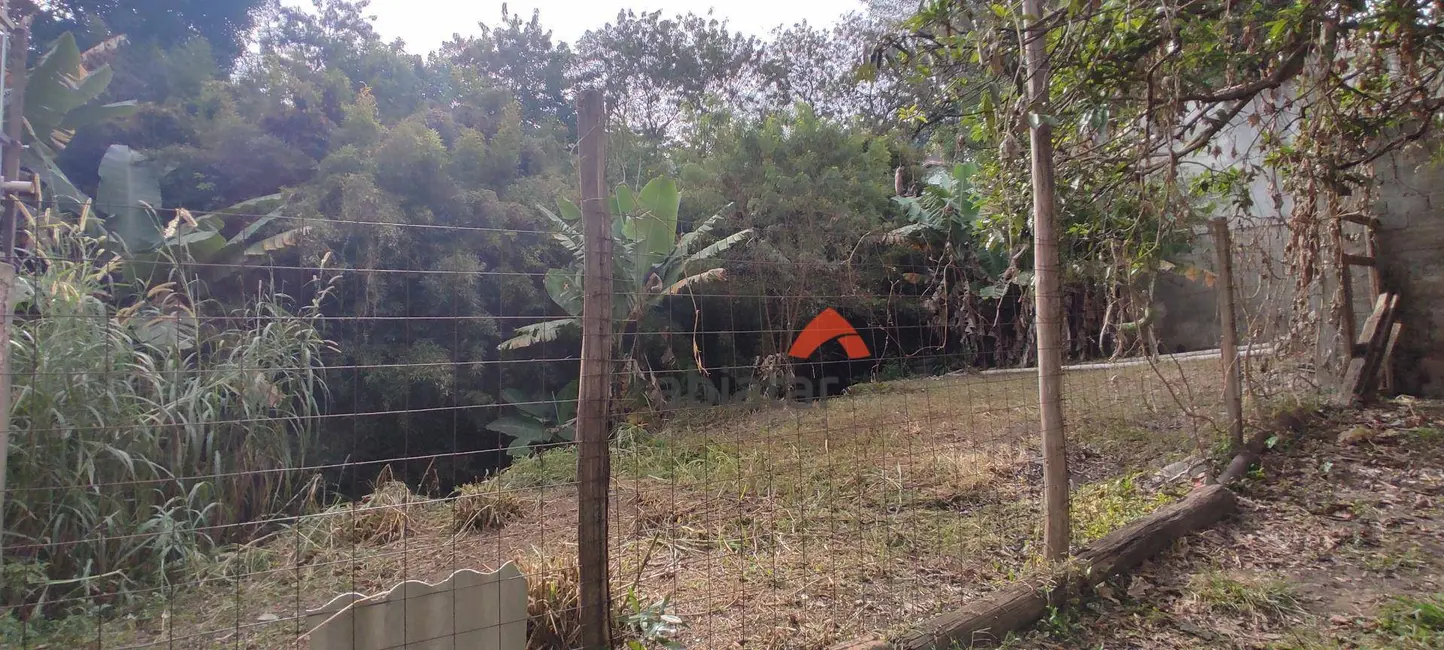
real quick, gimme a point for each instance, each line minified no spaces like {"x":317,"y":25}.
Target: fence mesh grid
{"x":225,"y":470}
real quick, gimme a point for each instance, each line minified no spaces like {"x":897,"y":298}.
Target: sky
{"x":425,"y":24}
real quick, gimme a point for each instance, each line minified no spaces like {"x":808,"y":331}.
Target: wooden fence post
{"x":16,"y":50}
{"x":1228,"y":343}
{"x":1047,"y":291}
{"x":593,"y":456}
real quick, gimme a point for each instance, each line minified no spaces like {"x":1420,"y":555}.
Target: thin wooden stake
{"x":1376,"y":287}
{"x":1347,"y":319}
{"x":1228,"y":339}
{"x":1049,"y":319}
{"x":593,"y":457}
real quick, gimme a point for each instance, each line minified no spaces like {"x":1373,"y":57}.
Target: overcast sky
{"x":425,"y":24}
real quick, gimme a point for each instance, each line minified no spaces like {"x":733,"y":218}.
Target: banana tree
{"x":650,"y":260}
{"x":149,"y":246}
{"x":537,"y":419}
{"x":60,"y":98}
{"x":945,"y":225}
{"x":967,"y":259}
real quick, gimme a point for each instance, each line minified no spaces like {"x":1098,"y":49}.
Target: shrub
{"x":147,"y":434}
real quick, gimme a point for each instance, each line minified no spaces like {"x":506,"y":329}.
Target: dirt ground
{"x":777,"y":526}
{"x":1339,"y":544}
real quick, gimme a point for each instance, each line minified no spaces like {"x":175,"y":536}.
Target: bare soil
{"x":1340,"y":544}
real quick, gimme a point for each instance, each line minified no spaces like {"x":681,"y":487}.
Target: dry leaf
{"x":1355,"y":435}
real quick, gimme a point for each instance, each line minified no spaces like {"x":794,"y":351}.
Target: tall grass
{"x":146,"y":435}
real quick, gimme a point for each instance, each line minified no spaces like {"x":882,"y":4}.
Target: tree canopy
{"x":224,"y":24}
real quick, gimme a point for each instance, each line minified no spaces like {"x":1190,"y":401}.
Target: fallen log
{"x":989,"y":620}
{"x":1245,"y":458}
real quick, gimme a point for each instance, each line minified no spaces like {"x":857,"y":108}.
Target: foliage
{"x":60,"y":98}
{"x":1420,"y":619}
{"x":224,"y":23}
{"x":970,"y":262}
{"x":651,"y":262}
{"x":184,"y":434}
{"x":433,"y":192}
{"x":484,"y":505}
{"x":649,"y":626}
{"x":537,"y":419}
{"x":520,"y":56}
{"x":1150,"y":117}
{"x":653,"y":68}
{"x":1259,"y":599}
{"x":813,"y":190}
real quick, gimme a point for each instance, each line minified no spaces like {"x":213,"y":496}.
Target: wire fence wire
{"x":202,"y":461}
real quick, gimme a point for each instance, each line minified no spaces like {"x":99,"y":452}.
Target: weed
{"x":1135,"y":448}
{"x":1390,"y":561}
{"x":678,"y":458}
{"x":115,"y":407}
{"x":648,"y":626}
{"x":72,"y":629}
{"x":379,"y":518}
{"x":1102,"y":507}
{"x":1060,"y":622}
{"x":654,"y":514}
{"x":549,"y":468}
{"x":1420,"y":619}
{"x":1426,"y":434}
{"x":1260,"y":599}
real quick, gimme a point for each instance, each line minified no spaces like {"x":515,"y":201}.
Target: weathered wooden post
{"x":593,"y":459}
{"x":1228,"y":338}
{"x":1047,"y":289}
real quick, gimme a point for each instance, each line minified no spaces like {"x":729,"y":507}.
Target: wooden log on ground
{"x":989,"y":620}
{"x":1241,"y":462}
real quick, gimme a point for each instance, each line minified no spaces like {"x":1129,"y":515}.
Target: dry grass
{"x":484,"y":505}
{"x":378,"y":518}
{"x":785,"y":526}
{"x":553,"y":600}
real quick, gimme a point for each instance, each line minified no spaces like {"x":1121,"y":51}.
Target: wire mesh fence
{"x":209,"y":445}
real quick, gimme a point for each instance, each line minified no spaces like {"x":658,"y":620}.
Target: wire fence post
{"x":1228,"y":339}
{"x":593,"y":461}
{"x":1049,"y":321}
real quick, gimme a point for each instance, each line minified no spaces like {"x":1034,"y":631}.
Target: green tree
{"x":518,"y":55}
{"x":652,"y":69}
{"x":651,"y":261}
{"x":224,"y":24}
{"x":812,"y":189}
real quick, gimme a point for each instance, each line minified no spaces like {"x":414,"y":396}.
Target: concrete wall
{"x":1411,"y":243}
{"x":1189,"y":315}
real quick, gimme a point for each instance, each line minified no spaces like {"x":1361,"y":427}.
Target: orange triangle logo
{"x":827,"y":326}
